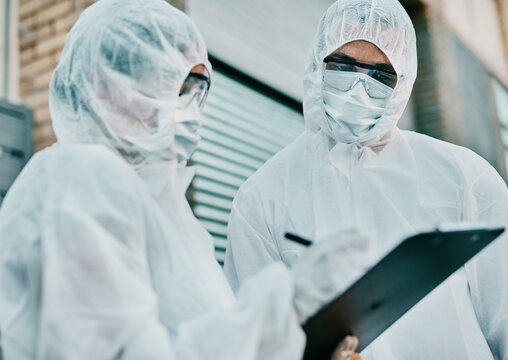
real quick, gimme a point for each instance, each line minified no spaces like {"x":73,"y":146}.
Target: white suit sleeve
{"x":250,"y":244}
{"x":98,"y":303}
{"x":487,"y":201}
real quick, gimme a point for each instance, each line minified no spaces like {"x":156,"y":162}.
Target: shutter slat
{"x":221,"y":177}
{"x":207,"y":211}
{"x":230,"y":154}
{"x":15,"y":142}
{"x":211,"y":160}
{"x":214,"y":187}
{"x":10,"y":166}
{"x":206,"y":198}
{"x":242,"y":129}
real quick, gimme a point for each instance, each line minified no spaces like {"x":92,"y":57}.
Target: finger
{"x":343,"y":351}
{"x":351,"y":342}
{"x":348,"y":344}
{"x":354,"y":343}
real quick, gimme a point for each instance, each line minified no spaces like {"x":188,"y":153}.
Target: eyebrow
{"x":343,"y":57}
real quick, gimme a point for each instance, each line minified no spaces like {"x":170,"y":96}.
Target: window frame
{"x":9,"y":43}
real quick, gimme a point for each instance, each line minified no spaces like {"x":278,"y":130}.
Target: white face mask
{"x":354,"y":104}
{"x":187,"y":125}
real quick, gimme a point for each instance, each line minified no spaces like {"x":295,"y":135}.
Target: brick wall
{"x":426,"y":104}
{"x":452,"y":96}
{"x":502,"y":13}
{"x":43,"y":26}
{"x":447,"y":75}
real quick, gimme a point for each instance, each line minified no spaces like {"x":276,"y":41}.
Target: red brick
{"x":43,"y":135}
{"x":37,"y":99}
{"x":42,"y":81}
{"x":37,"y":66}
{"x":64,"y":24}
{"x":56,"y":11}
{"x":25,"y":87}
{"x":53,"y":43}
{"x":42,"y":115}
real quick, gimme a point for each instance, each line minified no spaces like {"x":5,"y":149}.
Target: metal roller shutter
{"x":501,"y":97}
{"x":15,"y":142}
{"x":478,"y":107}
{"x":242,"y":129}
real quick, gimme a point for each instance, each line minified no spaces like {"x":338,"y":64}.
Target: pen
{"x":298,"y":239}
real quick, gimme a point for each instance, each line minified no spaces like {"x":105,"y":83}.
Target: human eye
{"x":336,"y":66}
{"x":385,"y":78}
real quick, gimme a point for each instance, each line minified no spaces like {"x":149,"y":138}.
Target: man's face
{"x":198,"y":69}
{"x":195,"y":87}
{"x":364,"y":52}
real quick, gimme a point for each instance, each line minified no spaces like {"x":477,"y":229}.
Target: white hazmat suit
{"x":388,"y":184}
{"x":100,"y":254}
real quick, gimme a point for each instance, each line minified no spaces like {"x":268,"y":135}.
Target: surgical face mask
{"x":354,"y":103}
{"x":187,"y":125}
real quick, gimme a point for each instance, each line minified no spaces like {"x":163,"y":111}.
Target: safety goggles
{"x":386,"y":77}
{"x":195,"y":87}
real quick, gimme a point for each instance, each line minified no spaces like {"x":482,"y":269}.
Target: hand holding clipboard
{"x":414,"y":268}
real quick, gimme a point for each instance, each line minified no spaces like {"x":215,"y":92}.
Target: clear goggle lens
{"x":195,"y":88}
{"x":385,"y":77}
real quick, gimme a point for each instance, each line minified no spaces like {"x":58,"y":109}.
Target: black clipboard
{"x":391,"y":288}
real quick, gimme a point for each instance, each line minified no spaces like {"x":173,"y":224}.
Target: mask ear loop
{"x":173,"y":131}
{"x":173,"y":118}
{"x":323,"y":68}
{"x":357,"y":81}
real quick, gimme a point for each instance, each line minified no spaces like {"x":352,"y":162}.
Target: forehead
{"x":200,"y":69}
{"x":364,"y":52}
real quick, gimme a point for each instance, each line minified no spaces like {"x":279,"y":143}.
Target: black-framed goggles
{"x":386,"y":77}
{"x":195,"y":87}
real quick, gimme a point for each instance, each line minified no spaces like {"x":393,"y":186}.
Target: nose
{"x":363,"y":71}
{"x":358,"y":82}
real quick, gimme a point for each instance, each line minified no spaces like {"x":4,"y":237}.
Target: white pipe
{"x":7,"y":11}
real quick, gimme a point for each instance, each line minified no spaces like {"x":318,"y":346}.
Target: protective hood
{"x":119,"y":77}
{"x":384,"y":23}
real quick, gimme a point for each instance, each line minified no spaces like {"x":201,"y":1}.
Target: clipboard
{"x":392,"y":287}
